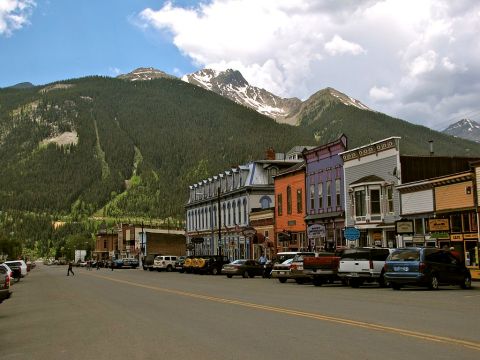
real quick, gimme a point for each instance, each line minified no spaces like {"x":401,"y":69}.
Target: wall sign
{"x":438,"y":224}
{"x":351,"y":233}
{"x":404,"y":227}
{"x":316,"y":231}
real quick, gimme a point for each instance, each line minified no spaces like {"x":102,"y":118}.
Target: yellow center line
{"x":315,"y":316}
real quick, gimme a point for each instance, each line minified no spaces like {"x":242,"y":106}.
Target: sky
{"x":418,"y":60}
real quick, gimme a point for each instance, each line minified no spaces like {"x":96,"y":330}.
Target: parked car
{"x":322,"y":268}
{"x":9,"y":272}
{"x":210,"y":264}
{"x":18,"y":263}
{"x":361,"y":265}
{"x":281,"y":271}
{"x":5,"y":292}
{"x":147,"y":261}
{"x":243,"y":267}
{"x":179,"y":264}
{"x":130,"y":263}
{"x":164,"y":262}
{"x":428,"y":267}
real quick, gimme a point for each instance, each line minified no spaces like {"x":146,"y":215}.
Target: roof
{"x":368,"y":179}
{"x":291,"y":169}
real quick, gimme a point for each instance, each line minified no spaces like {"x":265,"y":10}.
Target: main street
{"x":133,"y":314}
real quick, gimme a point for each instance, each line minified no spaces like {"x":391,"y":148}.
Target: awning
{"x":324,"y":215}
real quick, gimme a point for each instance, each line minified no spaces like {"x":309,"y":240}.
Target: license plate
{"x":281,"y":272}
{"x":354,"y":274}
{"x":400,"y":268}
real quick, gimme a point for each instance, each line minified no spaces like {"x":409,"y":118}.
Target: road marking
{"x":361,"y":324}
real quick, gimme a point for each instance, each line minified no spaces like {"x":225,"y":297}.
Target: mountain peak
{"x":334,"y":95}
{"x":465,"y":128}
{"x":145,"y":73}
{"x":232,"y":85}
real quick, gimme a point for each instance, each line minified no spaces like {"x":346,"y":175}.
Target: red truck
{"x":322,"y":267}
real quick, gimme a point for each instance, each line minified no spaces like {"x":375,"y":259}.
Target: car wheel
{"x":158,"y":269}
{"x":214,"y":271}
{"x":150,"y":269}
{"x":395,"y":286}
{"x":354,"y":283}
{"x":317,"y":282}
{"x":245,"y":274}
{"x":282,"y":280}
{"x":382,"y":282}
{"x":169,"y":268}
{"x":433,"y":284}
{"x":229,"y":276}
{"x":467,"y":282}
{"x":145,"y":268}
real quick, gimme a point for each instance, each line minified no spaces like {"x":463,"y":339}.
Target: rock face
{"x":231,"y":84}
{"x":465,"y":129}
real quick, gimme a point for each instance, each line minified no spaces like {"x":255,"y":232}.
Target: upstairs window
{"x":312,"y":197}
{"x":375,"y":201}
{"x":299,"y":201}
{"x":320,"y":195}
{"x":279,"y":204}
{"x":289,"y":200}
{"x":337,"y":192}
{"x":329,"y":193}
{"x":360,"y":203}
{"x":390,"y":199}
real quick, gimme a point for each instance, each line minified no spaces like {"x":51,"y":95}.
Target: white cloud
{"x":114,"y":71}
{"x":339,"y":46}
{"x":14,"y":15}
{"x":423,"y":52}
{"x":381,"y":93}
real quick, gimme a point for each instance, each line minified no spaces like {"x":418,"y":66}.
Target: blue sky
{"x":417,"y":60}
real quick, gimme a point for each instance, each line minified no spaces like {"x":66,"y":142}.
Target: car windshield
{"x":239,"y":262}
{"x":405,"y":255}
{"x":16,"y":263}
{"x":287,"y":262}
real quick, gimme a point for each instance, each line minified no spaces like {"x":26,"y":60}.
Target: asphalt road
{"x":133,"y":314}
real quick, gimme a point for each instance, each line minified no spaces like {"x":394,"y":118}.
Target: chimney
{"x":270,"y":154}
{"x":431,"y":147}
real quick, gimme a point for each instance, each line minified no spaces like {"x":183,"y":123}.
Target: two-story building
{"x":324,"y":195}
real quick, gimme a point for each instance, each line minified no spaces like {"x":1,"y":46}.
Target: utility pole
{"x":219,"y":223}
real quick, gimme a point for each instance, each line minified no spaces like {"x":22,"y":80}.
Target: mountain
{"x":107,"y":146}
{"x":22,"y":85}
{"x":148,"y":73}
{"x":465,"y":129}
{"x":232,"y":85}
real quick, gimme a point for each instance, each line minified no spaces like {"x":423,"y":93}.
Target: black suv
{"x":212,"y":264}
{"x":147,"y":261}
{"x":428,"y":267}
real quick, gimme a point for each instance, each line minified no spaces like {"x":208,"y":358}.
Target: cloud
{"x":381,"y":93}
{"x":339,"y":46}
{"x":14,"y":15}
{"x":114,"y":71}
{"x":424,"y":53}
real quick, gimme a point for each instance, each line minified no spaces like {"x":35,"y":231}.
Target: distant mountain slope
{"x":148,"y":73}
{"x":22,"y":85}
{"x":232,"y":85}
{"x":73,"y":147}
{"x":465,"y":129}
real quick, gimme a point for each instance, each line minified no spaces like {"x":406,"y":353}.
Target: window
{"x":234,"y":208}
{"x":456,"y":223}
{"x":229,"y":208}
{"x":337,"y":192}
{"x":239,"y":209}
{"x":299,"y":201}
{"x":360,"y":205}
{"x":390,"y":199}
{"x":469,"y":222}
{"x":419,"y":227}
{"x":320,"y":195}
{"x":279,"y":204}
{"x":245,"y":218}
{"x":312,"y":197}
{"x":289,"y":200}
{"x":329,"y":193}
{"x":375,"y":201}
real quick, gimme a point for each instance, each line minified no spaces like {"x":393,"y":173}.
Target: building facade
{"x":218,"y":207}
{"x":373,"y":204}
{"x":290,"y":229}
{"x":325,"y":195}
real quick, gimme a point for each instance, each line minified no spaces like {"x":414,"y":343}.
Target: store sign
{"x":470,"y":236}
{"x":377,"y":237}
{"x":438,"y":225}
{"x":351,"y":233}
{"x":440,"y":235}
{"x":456,"y":237}
{"x":249,"y":231}
{"x":404,"y":227}
{"x":316,"y":231}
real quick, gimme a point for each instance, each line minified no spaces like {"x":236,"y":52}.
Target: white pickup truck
{"x":361,"y":265}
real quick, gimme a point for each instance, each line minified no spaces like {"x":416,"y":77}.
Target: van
{"x":361,"y":265}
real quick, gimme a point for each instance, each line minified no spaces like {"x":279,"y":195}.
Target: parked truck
{"x":322,"y":268}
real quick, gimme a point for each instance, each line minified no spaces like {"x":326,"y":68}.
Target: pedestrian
{"x":262,"y":259}
{"x":112,"y":265}
{"x":70,"y":269}
{"x":98,"y":264}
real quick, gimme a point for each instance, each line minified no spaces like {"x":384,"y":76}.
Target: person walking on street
{"x":70,"y":269}
{"x":112,"y":264}
{"x":98,"y":264}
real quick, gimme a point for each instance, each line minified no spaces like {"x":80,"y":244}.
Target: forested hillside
{"x":161,"y":135}
{"x":134,"y":147}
